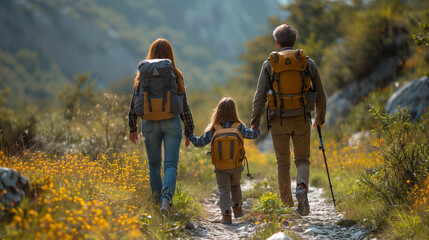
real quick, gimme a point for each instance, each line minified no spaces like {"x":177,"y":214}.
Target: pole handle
{"x":321,"y":147}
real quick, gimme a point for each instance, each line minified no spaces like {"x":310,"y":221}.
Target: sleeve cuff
{"x":192,"y":138}
{"x":187,"y":133}
{"x":319,"y":121}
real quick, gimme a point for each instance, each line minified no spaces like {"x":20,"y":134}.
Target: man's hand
{"x":187,"y":141}
{"x":314,"y":125}
{"x":134,"y":136}
{"x":253,"y":126}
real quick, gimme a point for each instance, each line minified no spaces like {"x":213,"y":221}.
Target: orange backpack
{"x":290,"y":83}
{"x":227,"y":147}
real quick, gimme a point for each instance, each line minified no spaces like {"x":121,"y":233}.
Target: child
{"x":224,"y":122}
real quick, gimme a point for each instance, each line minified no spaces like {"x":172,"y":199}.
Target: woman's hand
{"x":187,"y":141}
{"x":134,"y":136}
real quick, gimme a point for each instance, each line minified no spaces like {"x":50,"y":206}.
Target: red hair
{"x":161,"y":48}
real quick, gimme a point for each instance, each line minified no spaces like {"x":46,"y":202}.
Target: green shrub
{"x":404,"y":149}
{"x":17,"y":129}
{"x":270,"y":203}
{"x":370,"y":37}
{"x":423,"y":39}
{"x":92,"y":122}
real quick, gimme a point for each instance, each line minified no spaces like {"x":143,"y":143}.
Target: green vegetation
{"x":30,"y":78}
{"x":77,"y":134}
{"x":17,"y":130}
{"x":361,"y":35}
{"x":422,"y":40}
{"x":385,"y":196}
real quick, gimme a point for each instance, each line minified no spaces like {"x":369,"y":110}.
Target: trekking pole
{"x":321,"y":147}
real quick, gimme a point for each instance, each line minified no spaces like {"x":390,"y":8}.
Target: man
{"x":292,"y":123}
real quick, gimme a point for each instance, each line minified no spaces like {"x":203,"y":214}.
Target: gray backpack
{"x":156,"y":97}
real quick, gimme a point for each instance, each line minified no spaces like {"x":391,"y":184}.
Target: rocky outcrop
{"x":13,"y":188}
{"x":414,"y":96}
{"x":339,"y":104}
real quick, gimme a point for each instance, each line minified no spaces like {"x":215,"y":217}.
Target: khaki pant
{"x":299,"y":130}
{"x":228,"y":182}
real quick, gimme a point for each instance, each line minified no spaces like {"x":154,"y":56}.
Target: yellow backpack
{"x":290,"y":83}
{"x":227,"y":147}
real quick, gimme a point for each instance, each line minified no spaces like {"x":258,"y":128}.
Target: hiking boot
{"x":301,"y":196}
{"x":226,"y":218}
{"x":238,"y":211}
{"x":165,"y":207}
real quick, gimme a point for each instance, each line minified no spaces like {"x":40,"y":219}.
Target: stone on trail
{"x":297,"y":229}
{"x":279,"y":236}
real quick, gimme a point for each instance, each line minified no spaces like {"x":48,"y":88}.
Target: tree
{"x":78,"y":97}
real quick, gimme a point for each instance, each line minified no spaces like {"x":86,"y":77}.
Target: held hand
{"x":187,"y":141}
{"x":134,"y":136}
{"x":314,"y":126}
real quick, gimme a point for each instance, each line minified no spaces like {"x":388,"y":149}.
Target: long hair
{"x":226,"y":110}
{"x":161,"y":48}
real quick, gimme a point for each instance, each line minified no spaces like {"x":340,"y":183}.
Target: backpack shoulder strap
{"x":310,"y":74}
{"x":218,"y":127}
{"x":236,"y":125}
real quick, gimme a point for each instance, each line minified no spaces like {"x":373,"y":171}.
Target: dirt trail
{"x":320,"y":224}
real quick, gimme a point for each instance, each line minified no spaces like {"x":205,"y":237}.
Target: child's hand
{"x":187,"y":141}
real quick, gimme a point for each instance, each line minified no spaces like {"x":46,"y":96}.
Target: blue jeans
{"x":155,"y":132}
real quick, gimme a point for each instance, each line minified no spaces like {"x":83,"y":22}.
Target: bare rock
{"x":414,"y":96}
{"x":279,"y":236}
{"x":13,"y":188}
{"x":339,"y":104}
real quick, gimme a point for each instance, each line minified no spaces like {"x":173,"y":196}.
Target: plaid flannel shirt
{"x":206,"y":138}
{"x":186,"y":116}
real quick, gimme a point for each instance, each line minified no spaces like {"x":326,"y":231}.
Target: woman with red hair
{"x":169,"y":131}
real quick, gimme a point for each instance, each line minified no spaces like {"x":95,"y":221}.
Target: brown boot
{"x":226,"y":218}
{"x":238,"y":211}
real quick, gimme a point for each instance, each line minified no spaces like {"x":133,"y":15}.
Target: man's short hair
{"x":285,"y":35}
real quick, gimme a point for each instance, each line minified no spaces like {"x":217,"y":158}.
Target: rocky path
{"x":212,"y":228}
{"x":322,"y":221}
{"x":320,"y":224}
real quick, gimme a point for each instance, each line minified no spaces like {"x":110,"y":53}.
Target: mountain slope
{"x":107,"y":37}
